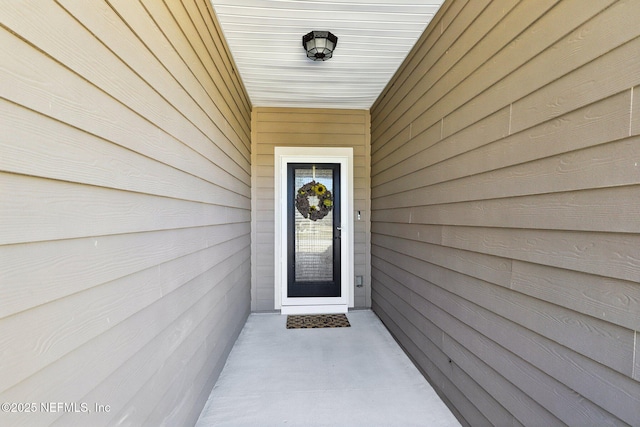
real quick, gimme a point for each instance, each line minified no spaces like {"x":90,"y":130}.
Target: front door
{"x":313,"y":230}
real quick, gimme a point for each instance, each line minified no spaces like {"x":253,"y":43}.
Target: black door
{"x":313,"y":229}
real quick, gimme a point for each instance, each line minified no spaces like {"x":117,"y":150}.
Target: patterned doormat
{"x":308,"y":321}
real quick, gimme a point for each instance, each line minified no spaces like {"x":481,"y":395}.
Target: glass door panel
{"x":313,"y":230}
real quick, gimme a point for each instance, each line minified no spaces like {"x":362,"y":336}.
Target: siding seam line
{"x":635,"y":356}
{"x":631,"y":115}
{"x":510,"y":117}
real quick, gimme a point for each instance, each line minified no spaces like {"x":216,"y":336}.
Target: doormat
{"x":309,"y":321}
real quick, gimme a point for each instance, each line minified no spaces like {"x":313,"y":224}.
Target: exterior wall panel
{"x":504,"y":210}
{"x":298,"y":128}
{"x":125,"y":205}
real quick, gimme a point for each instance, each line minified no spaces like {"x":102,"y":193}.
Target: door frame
{"x":313,"y":305}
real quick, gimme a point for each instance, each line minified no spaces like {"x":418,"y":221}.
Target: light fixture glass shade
{"x":319,"y":45}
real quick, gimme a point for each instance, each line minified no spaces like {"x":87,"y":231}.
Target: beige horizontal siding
{"x":294,"y":127}
{"x":505,"y":240}
{"x":125,"y":220}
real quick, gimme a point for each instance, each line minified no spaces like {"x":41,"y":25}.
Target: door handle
{"x":339,"y":228}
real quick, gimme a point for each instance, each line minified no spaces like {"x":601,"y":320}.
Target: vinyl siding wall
{"x":297,"y":127}
{"x":505,"y":210}
{"x":125,"y":209}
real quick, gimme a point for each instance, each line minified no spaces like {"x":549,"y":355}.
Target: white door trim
{"x":343,"y":156}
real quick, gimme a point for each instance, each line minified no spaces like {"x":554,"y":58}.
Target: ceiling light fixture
{"x":319,"y":45}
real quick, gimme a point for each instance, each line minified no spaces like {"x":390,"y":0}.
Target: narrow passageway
{"x":356,"y":376}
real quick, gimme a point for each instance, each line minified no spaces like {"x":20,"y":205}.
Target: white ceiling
{"x":374,"y":37}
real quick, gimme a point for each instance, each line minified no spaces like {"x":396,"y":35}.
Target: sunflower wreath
{"x":304,"y":206}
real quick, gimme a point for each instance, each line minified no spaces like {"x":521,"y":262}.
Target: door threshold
{"x":314,"y":309}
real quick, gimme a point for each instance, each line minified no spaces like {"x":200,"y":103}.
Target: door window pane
{"x":313,"y":239}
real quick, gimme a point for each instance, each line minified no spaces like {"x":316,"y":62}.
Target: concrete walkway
{"x":355,"y":376}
